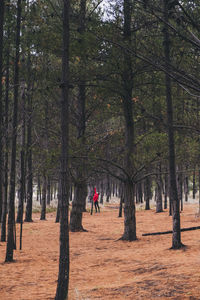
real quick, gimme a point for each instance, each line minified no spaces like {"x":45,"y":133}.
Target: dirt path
{"x":103,"y":267}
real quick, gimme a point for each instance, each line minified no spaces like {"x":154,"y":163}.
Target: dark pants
{"x":96,"y":204}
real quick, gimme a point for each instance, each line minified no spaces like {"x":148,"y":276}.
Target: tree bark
{"x":129,"y":202}
{"x":80,"y":187}
{"x":80,"y":194}
{"x":176,"y":237}
{"x":129,"y":213}
{"x":166,"y":190}
{"x":48,"y":190}
{"x":29,"y":204}
{"x":11,"y":209}
{"x":159,"y":201}
{"x":22,"y":162}
{"x":147,"y":193}
{"x":63,"y":276}
{"x":5,"y":194}
{"x":44,"y":196}
{"x":194,"y":184}
{"x":1,"y":102}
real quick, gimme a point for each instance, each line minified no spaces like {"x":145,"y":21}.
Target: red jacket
{"x":96,"y":196}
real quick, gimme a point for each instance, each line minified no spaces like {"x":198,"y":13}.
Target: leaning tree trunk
{"x":80,"y":187}
{"x":129,"y":202}
{"x":11,"y":208}
{"x":176,"y":237}
{"x":63,"y":276}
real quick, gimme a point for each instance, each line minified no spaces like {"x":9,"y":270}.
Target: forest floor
{"x":103,"y":267}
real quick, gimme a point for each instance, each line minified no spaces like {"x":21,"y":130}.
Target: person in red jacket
{"x":95,"y":200}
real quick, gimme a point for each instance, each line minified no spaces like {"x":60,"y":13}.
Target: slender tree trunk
{"x":176,"y":237}
{"x":121,"y":201}
{"x":44,"y":196}
{"x":4,"y":209}
{"x":186,"y":188}
{"x":22,"y":161}
{"x":166,"y":190}
{"x":1,"y":103}
{"x":199,"y":191}
{"x":11,"y":209}
{"x":139,"y":192}
{"x":180,"y":188}
{"x":147,"y":193}
{"x":29,"y":204}
{"x":59,"y":199}
{"x":194,"y":184}
{"x":39,"y":196}
{"x":48,"y":191}
{"x":159,"y":202}
{"x":63,"y":276}
{"x":108,"y":188}
{"x":101,"y":192}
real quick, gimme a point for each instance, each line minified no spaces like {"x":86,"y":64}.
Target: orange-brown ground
{"x":102,"y":267}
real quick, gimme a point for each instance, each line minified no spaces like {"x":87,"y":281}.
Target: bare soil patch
{"x":103,"y":267}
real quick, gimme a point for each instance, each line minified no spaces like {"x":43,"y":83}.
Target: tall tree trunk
{"x":63,"y":276}
{"x":22,"y":161}
{"x":11,"y":209}
{"x":80,"y":187}
{"x":176,"y":237}
{"x":129,"y":201}
{"x":1,"y":102}
{"x":29,"y":204}
{"x":5,"y":194}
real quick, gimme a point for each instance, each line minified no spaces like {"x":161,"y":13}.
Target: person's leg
{"x":98,"y":206}
{"x":95,"y":204}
